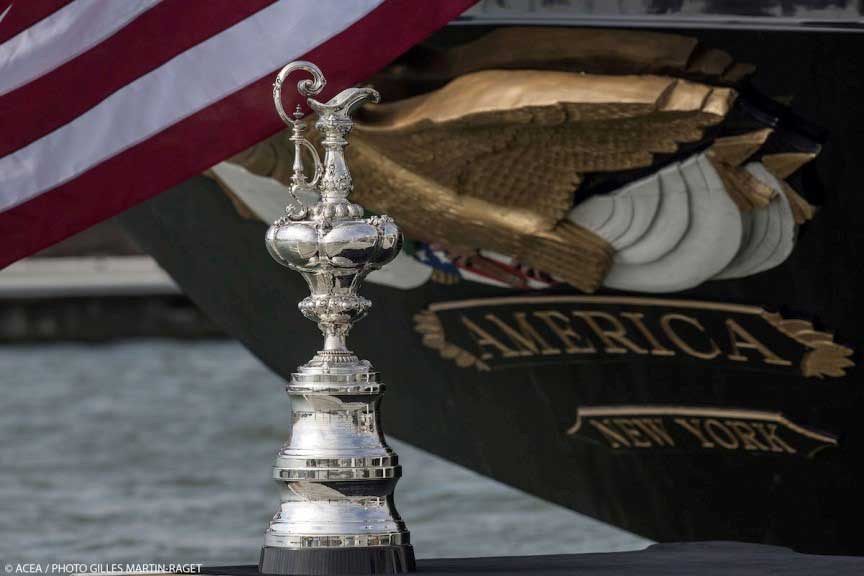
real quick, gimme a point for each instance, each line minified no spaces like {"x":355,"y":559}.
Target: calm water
{"x":161,"y":451}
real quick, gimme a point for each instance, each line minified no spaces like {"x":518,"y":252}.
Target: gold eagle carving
{"x":515,"y":144}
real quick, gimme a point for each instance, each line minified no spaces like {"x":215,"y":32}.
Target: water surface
{"x":160,"y":451}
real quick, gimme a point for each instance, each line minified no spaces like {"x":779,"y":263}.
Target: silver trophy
{"x":336,"y":474}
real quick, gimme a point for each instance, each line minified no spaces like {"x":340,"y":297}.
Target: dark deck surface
{"x":690,"y":559}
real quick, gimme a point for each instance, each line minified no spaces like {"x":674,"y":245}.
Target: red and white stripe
{"x":105,"y":103}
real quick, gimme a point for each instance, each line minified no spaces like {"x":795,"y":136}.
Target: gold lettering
{"x":564,"y":331}
{"x":731,"y":434}
{"x":727,"y":439}
{"x":695,"y":429}
{"x":636,"y":437}
{"x":655,"y":430}
{"x":666,"y":324}
{"x":776,"y":443}
{"x":746,"y":434}
{"x":484,"y":339}
{"x":617,"y":333}
{"x":657,"y":349}
{"x":740,"y":338}
{"x":527,"y":337}
{"x":615,"y":439}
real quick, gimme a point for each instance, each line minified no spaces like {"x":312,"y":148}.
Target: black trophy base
{"x":371,"y":560}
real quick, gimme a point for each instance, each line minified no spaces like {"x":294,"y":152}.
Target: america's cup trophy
{"x":336,"y":473}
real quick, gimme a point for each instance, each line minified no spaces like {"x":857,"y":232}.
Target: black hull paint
{"x":511,"y":424}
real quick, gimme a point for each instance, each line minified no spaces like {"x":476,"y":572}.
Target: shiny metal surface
{"x":336,"y":473}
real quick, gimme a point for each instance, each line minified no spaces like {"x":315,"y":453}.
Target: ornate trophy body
{"x":336,"y":473}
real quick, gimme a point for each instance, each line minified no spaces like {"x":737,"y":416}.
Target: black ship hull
{"x":697,"y":421}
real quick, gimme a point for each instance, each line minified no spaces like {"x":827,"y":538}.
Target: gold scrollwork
{"x":825,"y":357}
{"x":698,"y":428}
{"x":429,"y":325}
{"x":822,"y":356}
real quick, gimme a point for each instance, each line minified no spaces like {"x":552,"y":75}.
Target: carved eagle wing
{"x":523,"y":139}
{"x":494,"y":159}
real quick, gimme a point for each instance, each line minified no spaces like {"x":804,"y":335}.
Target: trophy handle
{"x":305,"y":87}
{"x":316,"y":159}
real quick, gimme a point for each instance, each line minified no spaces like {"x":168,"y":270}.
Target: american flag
{"x":105,"y":103}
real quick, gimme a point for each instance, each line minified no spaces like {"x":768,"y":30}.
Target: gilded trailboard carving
{"x":504,"y":332}
{"x":697,"y":428}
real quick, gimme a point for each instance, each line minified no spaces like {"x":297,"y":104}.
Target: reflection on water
{"x":161,"y":451}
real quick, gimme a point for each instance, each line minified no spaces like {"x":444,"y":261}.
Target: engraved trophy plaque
{"x":336,"y":474}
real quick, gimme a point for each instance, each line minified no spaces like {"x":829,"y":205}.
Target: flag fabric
{"x":105,"y":103}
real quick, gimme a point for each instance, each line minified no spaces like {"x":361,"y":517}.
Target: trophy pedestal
{"x":336,"y":476}
{"x":370,"y":560}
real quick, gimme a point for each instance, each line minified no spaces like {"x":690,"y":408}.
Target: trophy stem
{"x":335,"y":342}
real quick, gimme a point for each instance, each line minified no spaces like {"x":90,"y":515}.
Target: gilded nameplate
{"x":697,"y":429}
{"x":503,"y":332}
